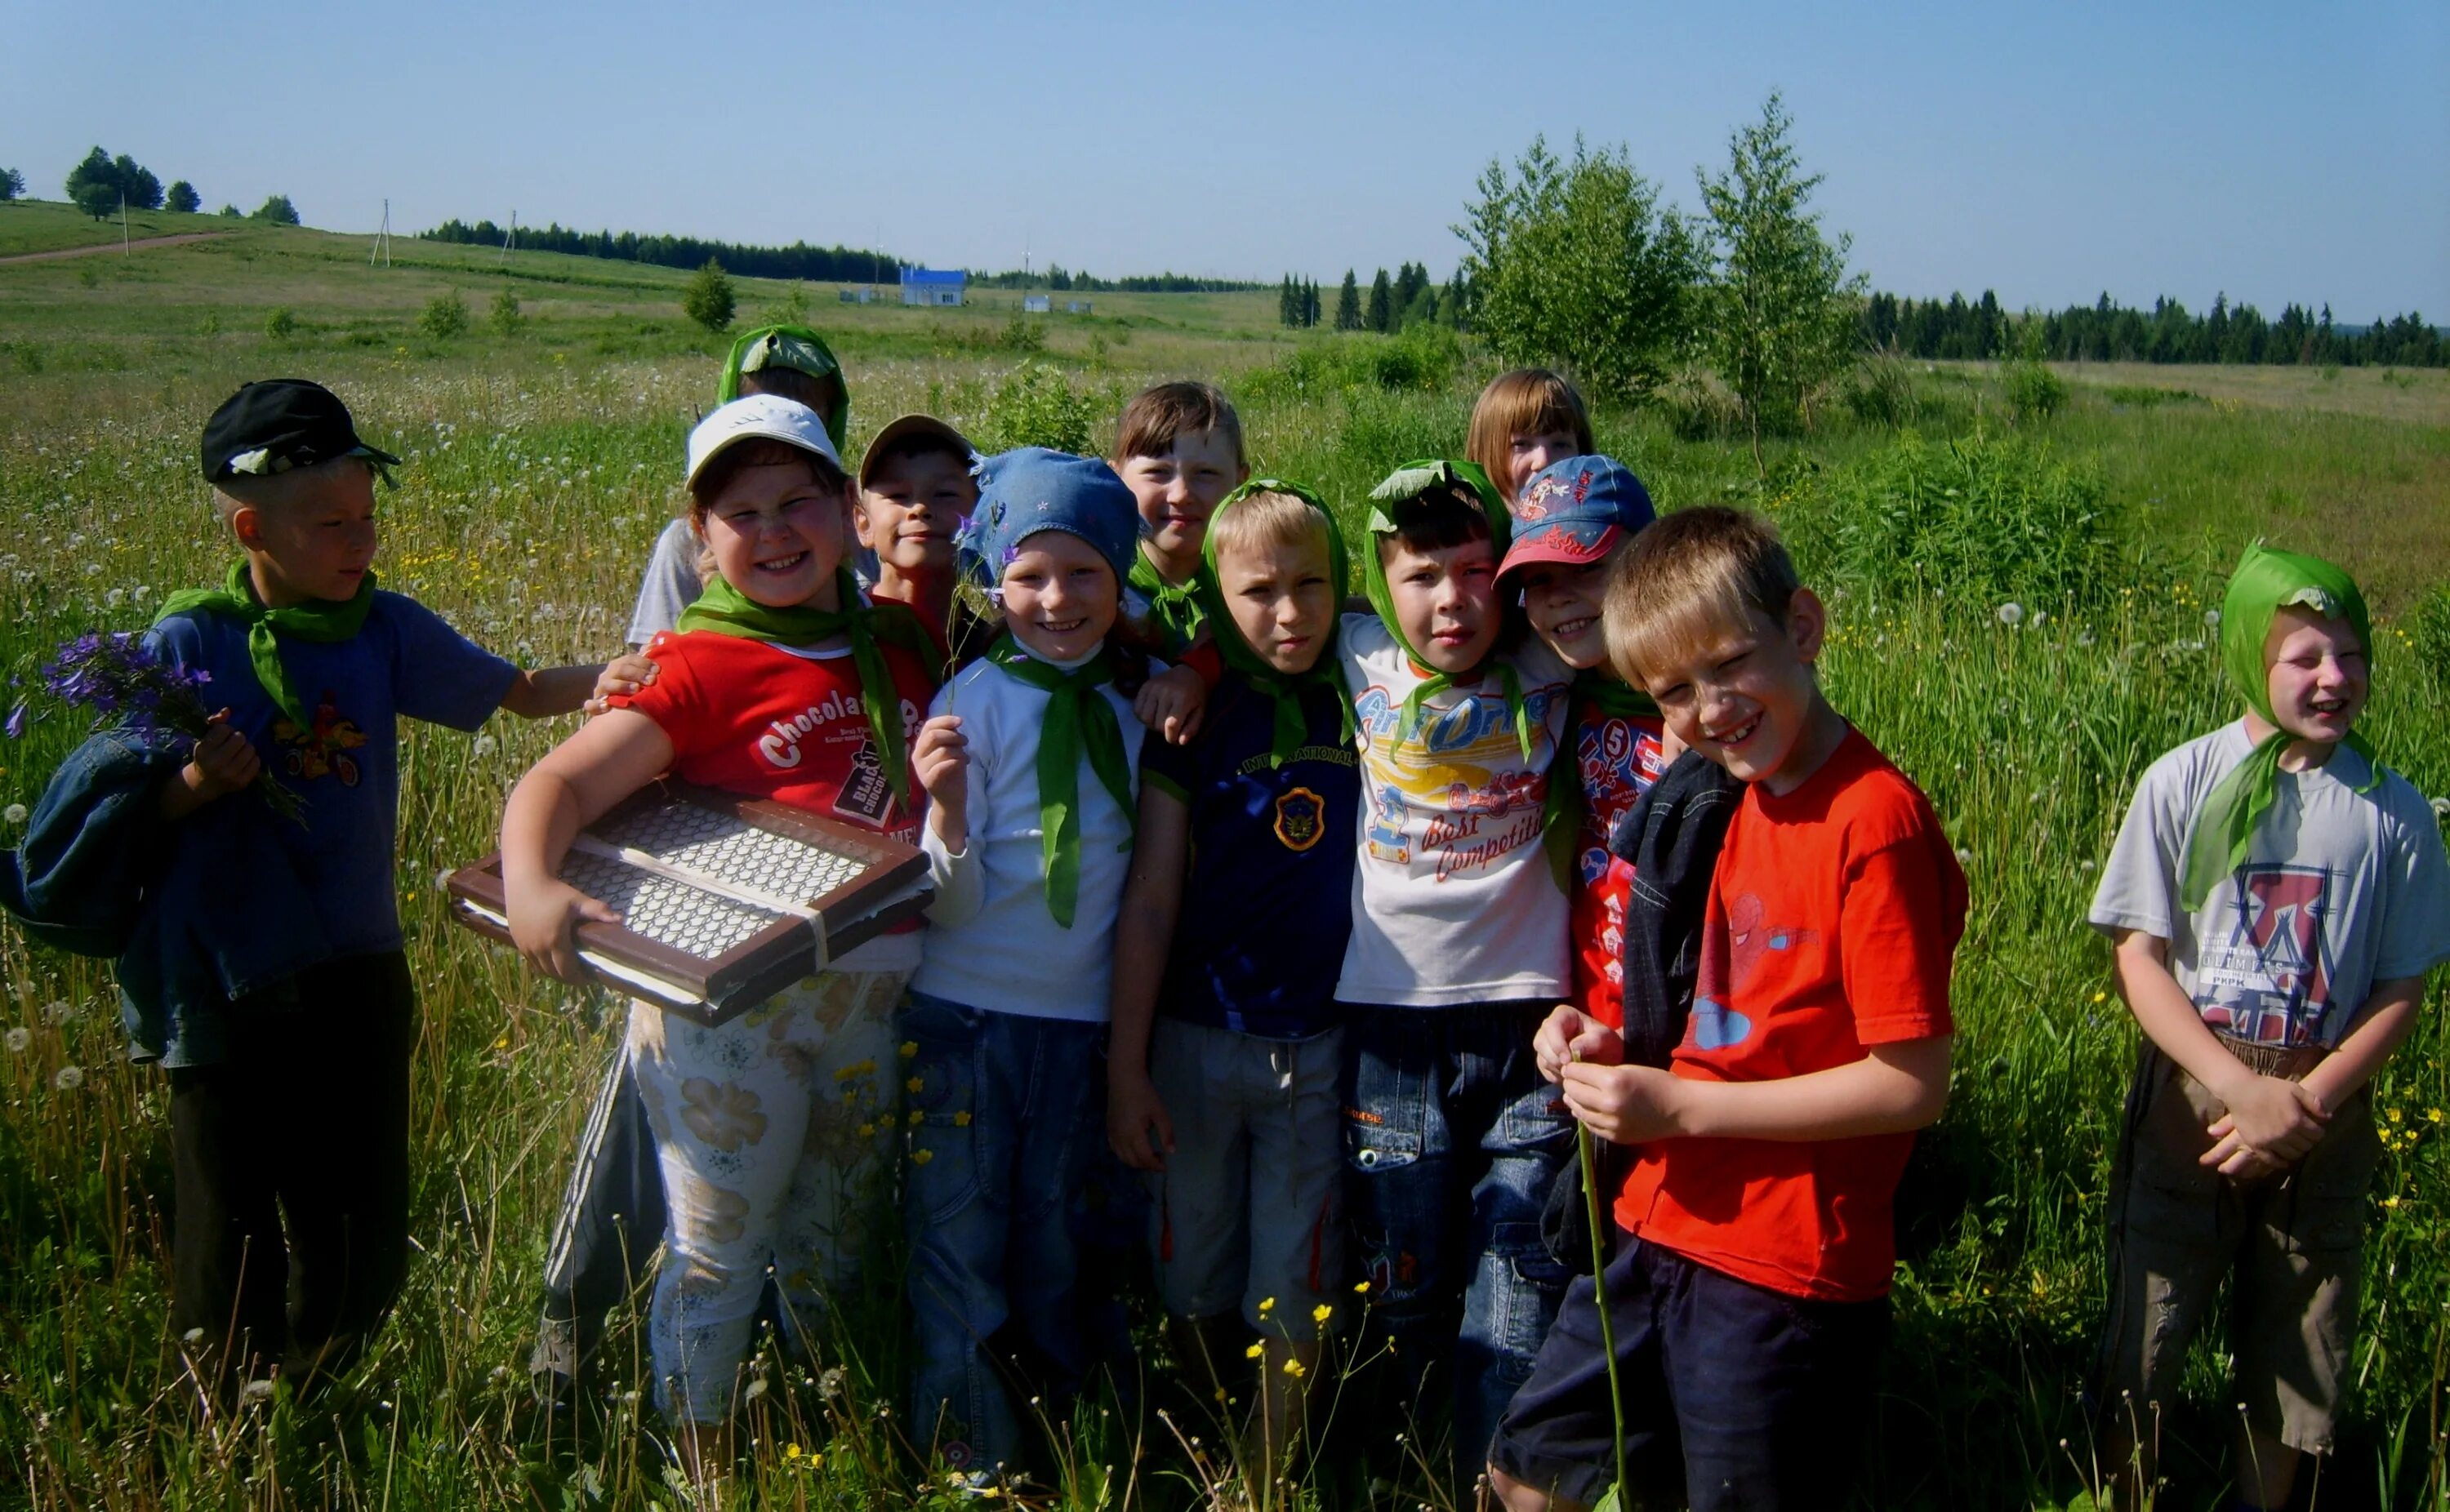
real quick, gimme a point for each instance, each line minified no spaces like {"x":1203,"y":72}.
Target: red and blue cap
{"x":1574,"y":510}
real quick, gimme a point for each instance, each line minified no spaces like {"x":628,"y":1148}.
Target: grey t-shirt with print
{"x":2339,"y":890}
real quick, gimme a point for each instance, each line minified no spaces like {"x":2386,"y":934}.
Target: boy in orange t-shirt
{"x":1749,"y":1297}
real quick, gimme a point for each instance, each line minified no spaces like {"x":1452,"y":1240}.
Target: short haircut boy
{"x":1696,"y":575}
{"x":1758,"y":1268}
{"x":1528,"y":401}
{"x":1164,"y":413}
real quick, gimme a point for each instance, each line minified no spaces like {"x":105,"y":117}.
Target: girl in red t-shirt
{"x":778,"y":684}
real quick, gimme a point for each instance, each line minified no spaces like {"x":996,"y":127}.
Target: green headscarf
{"x":1176,"y":606}
{"x":1406,"y":482}
{"x":726,"y":611}
{"x":800,"y":346}
{"x":1078,"y":719}
{"x":318,"y":619}
{"x":2264,"y":582}
{"x":1286,"y":692}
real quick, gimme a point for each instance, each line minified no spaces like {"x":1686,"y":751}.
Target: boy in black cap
{"x":264,"y":966}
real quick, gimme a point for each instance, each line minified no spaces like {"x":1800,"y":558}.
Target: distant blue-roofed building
{"x":932,"y":286}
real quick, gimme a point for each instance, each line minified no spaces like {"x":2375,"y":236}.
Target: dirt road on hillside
{"x":130,"y":246}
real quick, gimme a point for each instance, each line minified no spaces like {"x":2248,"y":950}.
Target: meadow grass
{"x":539,"y":469}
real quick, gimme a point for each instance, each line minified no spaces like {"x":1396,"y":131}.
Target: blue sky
{"x":2048,"y":152}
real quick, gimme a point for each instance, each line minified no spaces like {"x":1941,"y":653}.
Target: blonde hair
{"x":282,"y":490}
{"x":1523,"y":402}
{"x":1694,"y":576}
{"x":1265,"y":519}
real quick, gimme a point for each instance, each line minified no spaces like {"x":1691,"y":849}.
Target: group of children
{"x":1325,"y":921}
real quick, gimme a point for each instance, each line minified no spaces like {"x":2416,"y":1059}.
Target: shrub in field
{"x":2033,"y":392}
{"x":1575,"y":263}
{"x":1879,"y":393}
{"x":506,"y":319}
{"x":1424,"y":359}
{"x":444,"y":317}
{"x":1036,"y":405}
{"x":1996,"y":519}
{"x":1021,"y":333}
{"x":277,"y":210}
{"x":709,"y":299}
{"x":2428,"y":633}
{"x":281,"y":324}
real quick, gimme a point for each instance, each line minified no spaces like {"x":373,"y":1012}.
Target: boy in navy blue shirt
{"x":1223,"y":1060}
{"x":263,"y":963}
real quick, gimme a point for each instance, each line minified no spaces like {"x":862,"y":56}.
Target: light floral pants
{"x":771,"y":1132}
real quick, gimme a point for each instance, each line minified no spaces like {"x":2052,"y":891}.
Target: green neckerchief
{"x":727,"y":387}
{"x":1176,"y":606}
{"x":318,"y":619}
{"x":726,"y":611}
{"x":1561,"y":813}
{"x":1078,"y":718}
{"x":1285,"y":692}
{"x":1405,"y":482}
{"x":2264,"y":582}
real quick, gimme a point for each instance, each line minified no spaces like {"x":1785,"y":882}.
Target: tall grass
{"x":533,"y":490}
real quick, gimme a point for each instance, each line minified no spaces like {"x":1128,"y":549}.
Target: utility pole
{"x":508,"y":238}
{"x":382,"y":240}
{"x":126,"y":248}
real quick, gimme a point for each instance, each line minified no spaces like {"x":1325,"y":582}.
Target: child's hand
{"x":2239,"y":1162}
{"x":1134,"y":1117}
{"x":2273,"y":1116}
{"x":1625,"y":1105}
{"x":544,"y":922}
{"x":622,"y":676}
{"x":1569,"y":1035}
{"x":940,"y":759}
{"x":2269,"y":1116}
{"x":224,"y":763}
{"x":1172,"y":703}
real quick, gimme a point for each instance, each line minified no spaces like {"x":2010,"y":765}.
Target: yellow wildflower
{"x":2432,"y":1116}
{"x":1321,"y":1313}
{"x":1294,"y":1368}
{"x":1361,"y":1289}
{"x":1254,"y":1351}
{"x":2101,"y":997}
{"x":1266,"y":1305}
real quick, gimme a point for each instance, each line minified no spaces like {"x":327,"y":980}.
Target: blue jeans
{"x":1451,"y":1142}
{"x":1005,"y":1120}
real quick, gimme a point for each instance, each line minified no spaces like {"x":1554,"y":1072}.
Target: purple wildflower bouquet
{"x":128,"y":688}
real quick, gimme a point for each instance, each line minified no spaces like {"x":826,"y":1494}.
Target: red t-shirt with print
{"x":751,"y":717}
{"x":1832,"y":921}
{"x":1616,"y":759}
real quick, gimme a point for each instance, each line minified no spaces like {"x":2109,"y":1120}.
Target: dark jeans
{"x":1451,"y":1142}
{"x":1003,"y":1118}
{"x":1735,"y":1396}
{"x":302,"y":1132}
{"x":611,"y":1221}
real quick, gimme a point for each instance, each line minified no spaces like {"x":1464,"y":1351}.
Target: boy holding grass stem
{"x":1457,"y":950}
{"x":282,"y":1005}
{"x":1749,"y":1292}
{"x":2277,"y":898}
{"x":1223,"y":1061}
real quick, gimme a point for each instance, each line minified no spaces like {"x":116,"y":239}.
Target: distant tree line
{"x":2105,"y":331}
{"x":1060,"y":279}
{"x":1410,"y":298}
{"x":838,"y":264}
{"x":100,"y":183}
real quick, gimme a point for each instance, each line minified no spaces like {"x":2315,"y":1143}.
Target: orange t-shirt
{"x":1831,"y":919}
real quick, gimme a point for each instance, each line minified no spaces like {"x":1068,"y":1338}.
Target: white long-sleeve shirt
{"x":990,"y":943}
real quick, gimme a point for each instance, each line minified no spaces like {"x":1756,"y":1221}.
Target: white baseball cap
{"x":769,"y":416}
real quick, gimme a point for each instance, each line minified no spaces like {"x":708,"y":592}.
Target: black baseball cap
{"x":276,"y":424}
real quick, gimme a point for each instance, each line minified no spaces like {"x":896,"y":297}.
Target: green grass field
{"x":540,"y":464}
